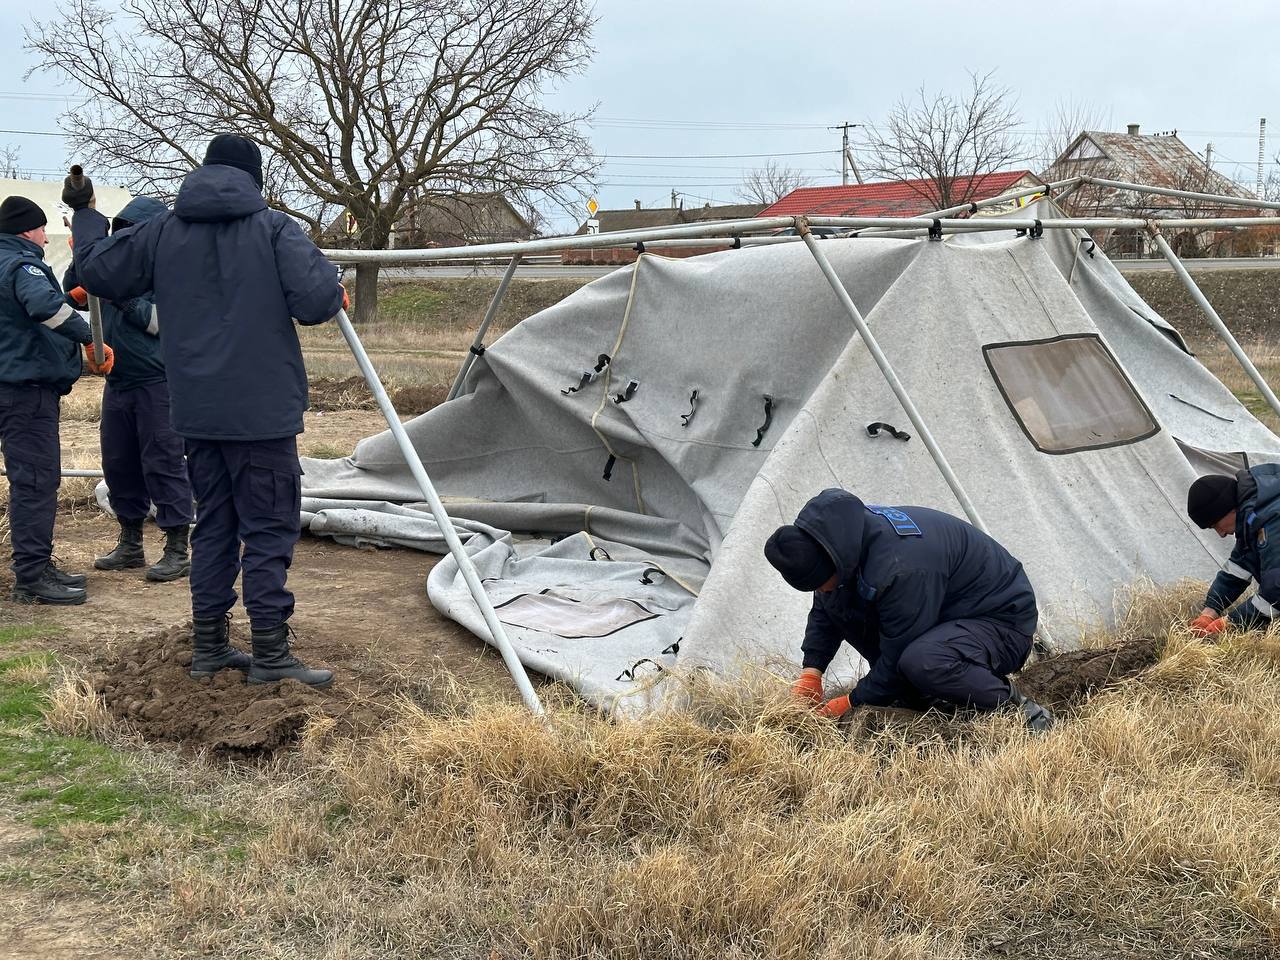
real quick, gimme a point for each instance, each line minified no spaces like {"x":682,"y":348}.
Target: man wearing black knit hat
{"x":229,"y":277}
{"x":40,"y":338}
{"x":940,"y":611}
{"x":1248,"y":506}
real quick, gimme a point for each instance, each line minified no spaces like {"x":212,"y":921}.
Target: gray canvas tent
{"x":615,"y":462}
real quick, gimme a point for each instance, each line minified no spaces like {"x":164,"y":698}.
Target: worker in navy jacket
{"x":40,"y":339}
{"x":229,"y":277}
{"x":142,"y":457}
{"x":939,"y":610}
{"x":1248,"y":506}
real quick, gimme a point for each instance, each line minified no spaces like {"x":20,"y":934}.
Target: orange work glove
{"x":80,"y":295}
{"x":809,"y":689}
{"x":108,"y":360}
{"x":835,"y":709}
{"x":346,"y":301}
{"x":1207,"y":625}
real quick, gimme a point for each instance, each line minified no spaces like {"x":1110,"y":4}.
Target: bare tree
{"x":1069,"y":119}
{"x":942,"y":146}
{"x":9,"y":156}
{"x":367,"y":109}
{"x":770,"y":183}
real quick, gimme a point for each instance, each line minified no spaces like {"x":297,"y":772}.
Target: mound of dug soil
{"x":147,"y":685}
{"x":353,"y":393}
{"x":1065,"y":680}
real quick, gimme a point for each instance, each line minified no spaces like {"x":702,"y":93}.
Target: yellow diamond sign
{"x":592,"y":207}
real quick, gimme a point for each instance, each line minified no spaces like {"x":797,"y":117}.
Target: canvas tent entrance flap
{"x":627,"y":493}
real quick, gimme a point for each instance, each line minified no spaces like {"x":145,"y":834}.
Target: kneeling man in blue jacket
{"x":229,"y":276}
{"x":941,"y":612}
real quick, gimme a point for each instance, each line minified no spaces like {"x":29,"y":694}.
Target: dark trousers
{"x":142,"y":456}
{"x":966,"y":662}
{"x":248,"y":493}
{"x":33,"y":463}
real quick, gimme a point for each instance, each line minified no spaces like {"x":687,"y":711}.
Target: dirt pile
{"x":1064,"y":681}
{"x":147,"y":685}
{"x":353,"y":393}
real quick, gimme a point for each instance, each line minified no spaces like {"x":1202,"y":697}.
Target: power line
{"x":33,"y":133}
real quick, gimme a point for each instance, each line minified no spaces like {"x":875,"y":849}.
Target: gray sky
{"x":681,"y":86}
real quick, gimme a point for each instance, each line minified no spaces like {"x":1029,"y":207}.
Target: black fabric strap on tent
{"x":768,"y":419}
{"x":693,"y":407}
{"x":628,"y":393}
{"x":875,"y":429}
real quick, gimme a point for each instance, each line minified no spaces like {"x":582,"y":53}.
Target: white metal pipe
{"x":95,"y":474}
{"x":95,"y":328}
{"x":496,"y":630}
{"x":1185,"y":194}
{"x":900,"y":391}
{"x":478,"y":344}
{"x":1214,"y":319}
{"x":975,"y":205}
{"x":620,"y":238}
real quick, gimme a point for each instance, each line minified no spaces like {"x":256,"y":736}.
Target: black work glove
{"x":77,"y":189}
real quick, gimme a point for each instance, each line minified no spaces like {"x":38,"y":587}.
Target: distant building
{"x":444,"y":221}
{"x":639,"y":218}
{"x":48,"y":194}
{"x":895,"y":198}
{"x":1158,"y":160}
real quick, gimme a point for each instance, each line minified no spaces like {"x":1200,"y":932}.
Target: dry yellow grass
{"x":1145,"y":826}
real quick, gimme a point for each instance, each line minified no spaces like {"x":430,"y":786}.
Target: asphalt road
{"x":1206,"y":263}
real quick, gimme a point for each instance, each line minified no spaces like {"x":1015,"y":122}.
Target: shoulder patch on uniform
{"x":903,"y":525}
{"x":33,"y":270}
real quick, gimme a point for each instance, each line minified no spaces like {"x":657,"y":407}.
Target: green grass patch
{"x":34,"y":631}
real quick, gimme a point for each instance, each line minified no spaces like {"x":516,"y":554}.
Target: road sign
{"x":592,"y":207}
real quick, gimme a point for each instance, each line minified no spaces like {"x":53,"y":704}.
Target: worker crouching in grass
{"x":941,"y":612}
{"x":40,"y":338}
{"x":229,"y":276}
{"x":142,"y":457}
{"x":1248,"y":507}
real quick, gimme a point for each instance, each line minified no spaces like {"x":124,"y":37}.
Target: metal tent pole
{"x":1185,"y":194}
{"x":1046,"y":641}
{"x":91,"y":474}
{"x":477,"y":346}
{"x":1214,"y":319}
{"x":895,"y":384}
{"x":496,"y":630}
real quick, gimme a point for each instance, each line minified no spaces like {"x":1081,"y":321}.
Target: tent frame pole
{"x":459,"y":553}
{"x":886,"y":368}
{"x":477,"y":346}
{"x":1216,"y":321}
{"x":1043,"y":640}
{"x":1184,"y":194}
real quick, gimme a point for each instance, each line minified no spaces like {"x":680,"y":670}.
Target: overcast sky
{"x":684,"y":89}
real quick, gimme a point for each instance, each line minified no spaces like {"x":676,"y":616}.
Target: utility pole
{"x":846,"y":154}
{"x":1262,"y":151}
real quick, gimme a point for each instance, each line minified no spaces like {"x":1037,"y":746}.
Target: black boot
{"x":176,"y":562}
{"x":128,"y":552}
{"x":76,"y":580}
{"x":1037,"y":718}
{"x":211,"y":651}
{"x":272,"y":660}
{"x":46,"y":589}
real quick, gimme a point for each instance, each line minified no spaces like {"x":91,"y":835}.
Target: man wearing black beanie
{"x":229,"y":277}
{"x":940,"y":611}
{"x":40,"y":338}
{"x":1248,"y":506}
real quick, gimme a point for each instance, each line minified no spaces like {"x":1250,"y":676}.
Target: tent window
{"x":1069,"y":394}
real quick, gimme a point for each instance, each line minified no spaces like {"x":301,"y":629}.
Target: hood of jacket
{"x":141,"y":209}
{"x":217,"y":193}
{"x":837,"y":520}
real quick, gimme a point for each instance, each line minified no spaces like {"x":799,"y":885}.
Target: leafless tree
{"x":9,"y":156}
{"x":367,"y":109}
{"x":945,"y":142}
{"x":1069,"y":119}
{"x":770,"y":183}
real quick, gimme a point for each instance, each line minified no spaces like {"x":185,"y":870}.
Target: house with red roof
{"x":895,"y":198}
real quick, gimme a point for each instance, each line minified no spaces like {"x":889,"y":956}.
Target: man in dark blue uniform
{"x":939,"y":610}
{"x":1248,"y":506}
{"x":40,"y":339}
{"x":229,"y":277}
{"x":142,"y":457}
